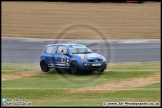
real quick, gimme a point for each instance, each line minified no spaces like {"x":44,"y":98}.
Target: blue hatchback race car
{"x":74,"y":57}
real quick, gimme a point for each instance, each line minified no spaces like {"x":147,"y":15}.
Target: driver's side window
{"x":61,"y":50}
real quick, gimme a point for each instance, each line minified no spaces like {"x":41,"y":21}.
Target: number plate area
{"x":98,"y":64}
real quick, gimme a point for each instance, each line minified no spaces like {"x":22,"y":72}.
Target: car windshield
{"x":80,"y":50}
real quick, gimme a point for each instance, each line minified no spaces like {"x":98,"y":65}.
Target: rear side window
{"x":50,"y":49}
{"x":61,"y":50}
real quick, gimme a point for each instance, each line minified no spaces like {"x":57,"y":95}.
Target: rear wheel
{"x":44,"y":66}
{"x":74,"y":67}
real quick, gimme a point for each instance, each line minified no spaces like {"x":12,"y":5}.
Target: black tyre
{"x":74,"y":67}
{"x":44,"y":66}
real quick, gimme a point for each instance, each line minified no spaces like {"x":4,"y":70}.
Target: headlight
{"x":83,"y":59}
{"x":103,"y":58}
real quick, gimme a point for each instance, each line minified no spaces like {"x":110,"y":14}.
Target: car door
{"x":50,"y":50}
{"x":60,"y":59}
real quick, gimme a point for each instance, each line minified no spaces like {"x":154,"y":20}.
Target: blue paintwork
{"x":56,"y":59}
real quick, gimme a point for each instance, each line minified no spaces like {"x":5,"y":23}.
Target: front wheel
{"x":74,"y":67}
{"x":44,"y":66}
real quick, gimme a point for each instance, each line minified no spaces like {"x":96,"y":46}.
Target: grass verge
{"x":52,"y":89}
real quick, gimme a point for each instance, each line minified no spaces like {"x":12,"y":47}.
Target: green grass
{"x":63,"y":98}
{"x":51,"y":88}
{"x":106,"y":74}
{"x":70,"y":81}
{"x":155,"y":85}
{"x":10,"y":68}
{"x":30,"y":93}
{"x":143,"y":66}
{"x":46,"y":83}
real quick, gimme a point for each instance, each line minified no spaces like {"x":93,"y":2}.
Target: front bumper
{"x":93,"y":66}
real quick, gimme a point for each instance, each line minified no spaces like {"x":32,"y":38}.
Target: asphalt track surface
{"x":30,"y":52}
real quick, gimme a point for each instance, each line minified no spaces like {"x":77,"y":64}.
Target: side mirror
{"x":94,"y":51}
{"x":65,"y":53}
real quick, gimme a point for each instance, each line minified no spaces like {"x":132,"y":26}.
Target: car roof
{"x":63,"y":44}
